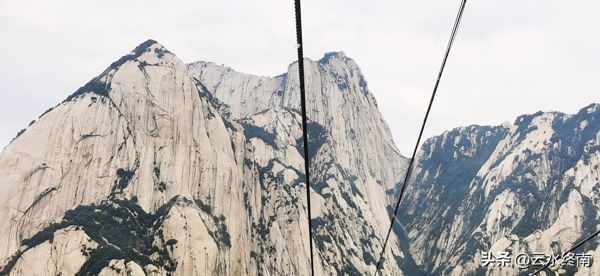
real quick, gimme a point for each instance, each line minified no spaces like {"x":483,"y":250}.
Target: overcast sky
{"x":510,"y":57}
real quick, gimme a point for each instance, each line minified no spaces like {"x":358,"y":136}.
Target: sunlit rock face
{"x":141,"y":132}
{"x":156,"y":167}
{"x":528,"y":187}
{"x":354,"y":164}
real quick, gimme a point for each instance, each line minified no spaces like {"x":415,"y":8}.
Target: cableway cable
{"x":304,"y":126}
{"x":568,"y":251}
{"x":409,"y":170}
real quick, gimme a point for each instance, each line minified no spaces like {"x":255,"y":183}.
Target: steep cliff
{"x":354,"y":162}
{"x":152,"y":168}
{"x":530,"y":187}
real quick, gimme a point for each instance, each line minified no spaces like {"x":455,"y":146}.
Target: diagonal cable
{"x":410,"y":166}
{"x":304,"y":126}
{"x":568,"y":251}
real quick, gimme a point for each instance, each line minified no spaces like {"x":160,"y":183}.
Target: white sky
{"x":510,"y":57}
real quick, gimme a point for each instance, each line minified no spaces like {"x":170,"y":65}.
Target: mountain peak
{"x":149,"y":45}
{"x":145,"y":45}
{"x":592,"y":108}
{"x":100,"y":84}
{"x":338,"y":55}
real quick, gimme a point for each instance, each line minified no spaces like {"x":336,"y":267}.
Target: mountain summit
{"x":527,"y":188}
{"x":156,"y":167}
{"x":135,"y":139}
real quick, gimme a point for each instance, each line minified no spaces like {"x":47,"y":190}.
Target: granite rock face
{"x":156,"y":167}
{"x":140,"y":132}
{"x":528,"y":187}
{"x":354,"y":162}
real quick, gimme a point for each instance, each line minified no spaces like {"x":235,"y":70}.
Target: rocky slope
{"x":159,"y":168}
{"x":140,"y":132}
{"x":529,"y":187}
{"x":354,"y":161}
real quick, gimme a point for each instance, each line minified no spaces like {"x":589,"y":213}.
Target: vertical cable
{"x":304,"y":126}
{"x":410,"y":165}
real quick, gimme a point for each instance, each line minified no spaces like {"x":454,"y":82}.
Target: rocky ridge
{"x":157,"y":167}
{"x":149,"y":170}
{"x":528,"y":187}
{"x":354,"y":162}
